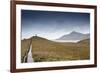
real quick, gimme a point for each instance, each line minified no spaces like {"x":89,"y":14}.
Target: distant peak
{"x":74,"y":32}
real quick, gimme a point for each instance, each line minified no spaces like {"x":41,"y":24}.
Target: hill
{"x":84,"y":41}
{"x":25,"y":44}
{"x":74,"y":36}
{"x":47,"y":50}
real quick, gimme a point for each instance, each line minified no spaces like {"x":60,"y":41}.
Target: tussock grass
{"x":44,"y":50}
{"x":24,"y":48}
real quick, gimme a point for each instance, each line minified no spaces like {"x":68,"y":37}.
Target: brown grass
{"x":24,"y":47}
{"x":46,"y":50}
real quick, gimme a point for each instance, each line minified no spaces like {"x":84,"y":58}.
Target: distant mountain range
{"x":74,"y":36}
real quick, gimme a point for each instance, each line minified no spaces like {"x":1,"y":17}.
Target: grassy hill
{"x":47,"y":50}
{"x":86,"y":41}
{"x":24,"y":48}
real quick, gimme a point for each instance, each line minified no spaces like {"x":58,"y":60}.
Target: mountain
{"x":74,"y":36}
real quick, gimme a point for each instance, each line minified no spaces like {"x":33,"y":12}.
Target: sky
{"x":52,"y":24}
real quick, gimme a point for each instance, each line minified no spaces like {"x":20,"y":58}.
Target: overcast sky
{"x":51,"y":24}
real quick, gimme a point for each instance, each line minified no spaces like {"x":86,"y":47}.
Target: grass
{"x":44,"y":50}
{"x":24,"y":48}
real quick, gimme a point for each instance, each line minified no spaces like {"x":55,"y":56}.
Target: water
{"x":29,"y":57}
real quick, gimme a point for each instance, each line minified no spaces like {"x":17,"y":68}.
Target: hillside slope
{"x":47,"y":50}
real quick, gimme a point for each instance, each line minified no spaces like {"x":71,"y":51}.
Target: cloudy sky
{"x":51,"y":24}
